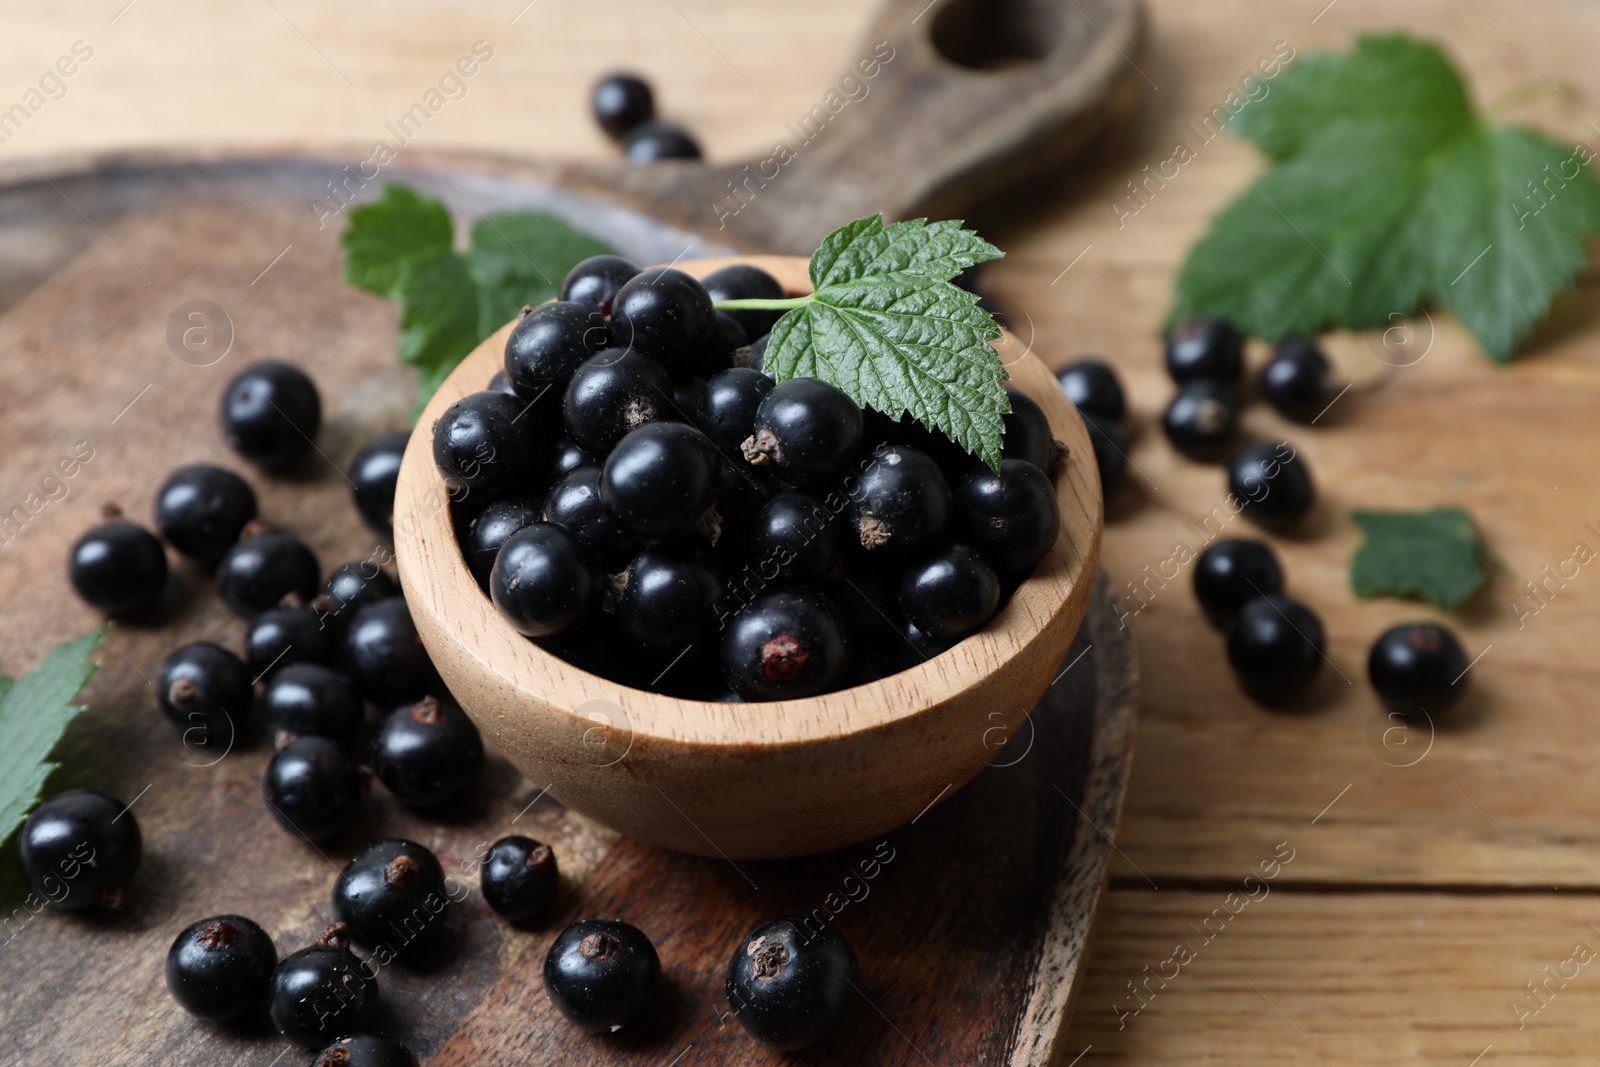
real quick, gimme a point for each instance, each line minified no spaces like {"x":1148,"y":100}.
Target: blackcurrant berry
{"x":1272,"y":484}
{"x":950,"y":591}
{"x":1298,"y":380}
{"x":79,"y":850}
{"x":365,"y":1050}
{"x":118,"y":567}
{"x":483,"y":445}
{"x":621,"y":102}
{"x":727,"y":411}
{"x":1202,"y":418}
{"x":1418,"y":669}
{"x":1094,"y":389}
{"x":271,"y":413}
{"x":595,"y":281}
{"x":206,"y":691}
{"x":796,"y":539}
{"x":499,"y":383}
{"x":1027,"y":432}
{"x":650,"y":141}
{"x":323,"y":992}
{"x":808,"y":430}
{"x":519,"y":878}
{"x":220,"y":968}
{"x":543,"y":581}
{"x":901,"y":500}
{"x":659,"y":480}
{"x":914,"y":646}
{"x":574,"y":504}
{"x":279,"y":637}
{"x":784,"y":644}
{"x":312,"y":787}
{"x":384,"y":656}
{"x":790,"y":982}
{"x":492,"y":527}
{"x":744,"y":282}
{"x":200,"y":511}
{"x":427,"y":753}
{"x":548,"y":343}
{"x":1201,"y":346}
{"x":262,"y":569}
{"x":1275,"y":647}
{"x":663,"y":313}
{"x":351,"y":587}
{"x":687,"y":389}
{"x":1110,"y":451}
{"x":728,"y":337}
{"x":372,"y":477}
{"x":391,"y":896}
{"x":567,"y":456}
{"x":670,"y":594}
{"x":1231,"y":573}
{"x":1011,"y":517}
{"x":742,"y":491}
{"x":953,"y":460}
{"x":601,"y":973}
{"x":611,"y":393}
{"x":310,"y":700}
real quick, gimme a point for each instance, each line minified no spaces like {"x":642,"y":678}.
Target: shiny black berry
{"x":1418,"y":669}
{"x":543,"y":581}
{"x":1027,"y":432}
{"x":351,"y":587}
{"x":118,"y":567}
{"x":1230,"y":574}
{"x":727,"y":410}
{"x":1200,"y":346}
{"x":1202,"y":418}
{"x":312,"y":787}
{"x":574,"y":503}
{"x":568,"y":455}
{"x":670,"y":594}
{"x":482,"y":445}
{"x":490,"y":529}
{"x":310,"y":700}
{"x":595,"y":281}
{"x":601,"y":973}
{"x":1110,"y":451}
{"x":797,"y":539}
{"x":262,"y":569}
{"x":271,"y":413}
{"x":384,"y":656}
{"x":650,"y":141}
{"x":1298,"y":380}
{"x":663,"y":313}
{"x":784,"y":644}
{"x":1275,"y":648}
{"x":807,"y":430}
{"x":220,"y":969}
{"x":659,"y":480}
{"x":950,"y":591}
{"x":519,"y":878}
{"x":365,"y":1050}
{"x":548,"y":343}
{"x":791,"y":982}
{"x":427,"y":753}
{"x":1011,"y":517}
{"x":744,"y":282}
{"x":621,"y":102}
{"x":499,"y":383}
{"x":206,"y":691}
{"x":279,"y":637}
{"x":391,"y":896}
{"x":79,"y":850}
{"x":1273,"y":484}
{"x":372,"y":477}
{"x":1094,"y":389}
{"x":611,"y":393}
{"x":200,"y":511}
{"x":323,"y":992}
{"x":901,"y":500}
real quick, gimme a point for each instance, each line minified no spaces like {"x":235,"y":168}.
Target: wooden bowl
{"x":785,"y":778}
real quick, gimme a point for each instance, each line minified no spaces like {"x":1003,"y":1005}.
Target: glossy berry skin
{"x":312,"y":787}
{"x":574,"y":504}
{"x":670,"y":594}
{"x":1298,"y":380}
{"x":427,"y":753}
{"x":612,"y":392}
{"x":271,"y":413}
{"x":543,"y":582}
{"x":949,"y":591}
{"x":727,"y":409}
{"x":391,"y":896}
{"x":118,"y":567}
{"x":659,"y":480}
{"x":621,"y":102}
{"x":384,"y":656}
{"x":744,"y":282}
{"x":200,"y":511}
{"x":655,"y":140}
{"x":790,"y":982}
{"x":1202,"y":418}
{"x":548,"y":343}
{"x":1200,"y":346}
{"x":807,"y":430}
{"x":595,"y":281}
{"x":323,"y":992}
{"x":1012,"y":517}
{"x":519,"y":878}
{"x":373,"y":474}
{"x":310,"y":700}
{"x":279,"y":637}
{"x":482,"y":445}
{"x":365,"y":1050}
{"x":663,"y":313}
{"x":1273,"y":484}
{"x":499,"y":383}
{"x":261,"y":570}
{"x":1028,"y":435}
{"x":220,"y":969}
{"x":1093,"y":388}
{"x":786,"y":643}
{"x":206,"y":691}
{"x":796,"y":539}
{"x":1110,"y":451}
{"x":568,"y":455}
{"x":601,"y":974}
{"x":1418,"y":669}
{"x":1230,"y":574}
{"x":1275,"y":648}
{"x":901,"y":501}
{"x":79,"y":850}
{"x":351,"y":587}
{"x":493,"y":526}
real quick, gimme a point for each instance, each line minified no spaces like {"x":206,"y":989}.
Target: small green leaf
{"x":1433,"y":555}
{"x":382,"y":236}
{"x":35,"y":711}
{"x":439,"y":321}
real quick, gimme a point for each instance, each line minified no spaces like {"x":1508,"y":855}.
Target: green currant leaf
{"x":35,"y":711}
{"x":1433,"y":555}
{"x":380,"y":237}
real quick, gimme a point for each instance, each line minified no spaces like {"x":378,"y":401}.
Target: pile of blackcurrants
{"x":636,"y":494}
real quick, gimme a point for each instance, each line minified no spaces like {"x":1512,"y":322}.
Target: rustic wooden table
{"x":1429,"y":883}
